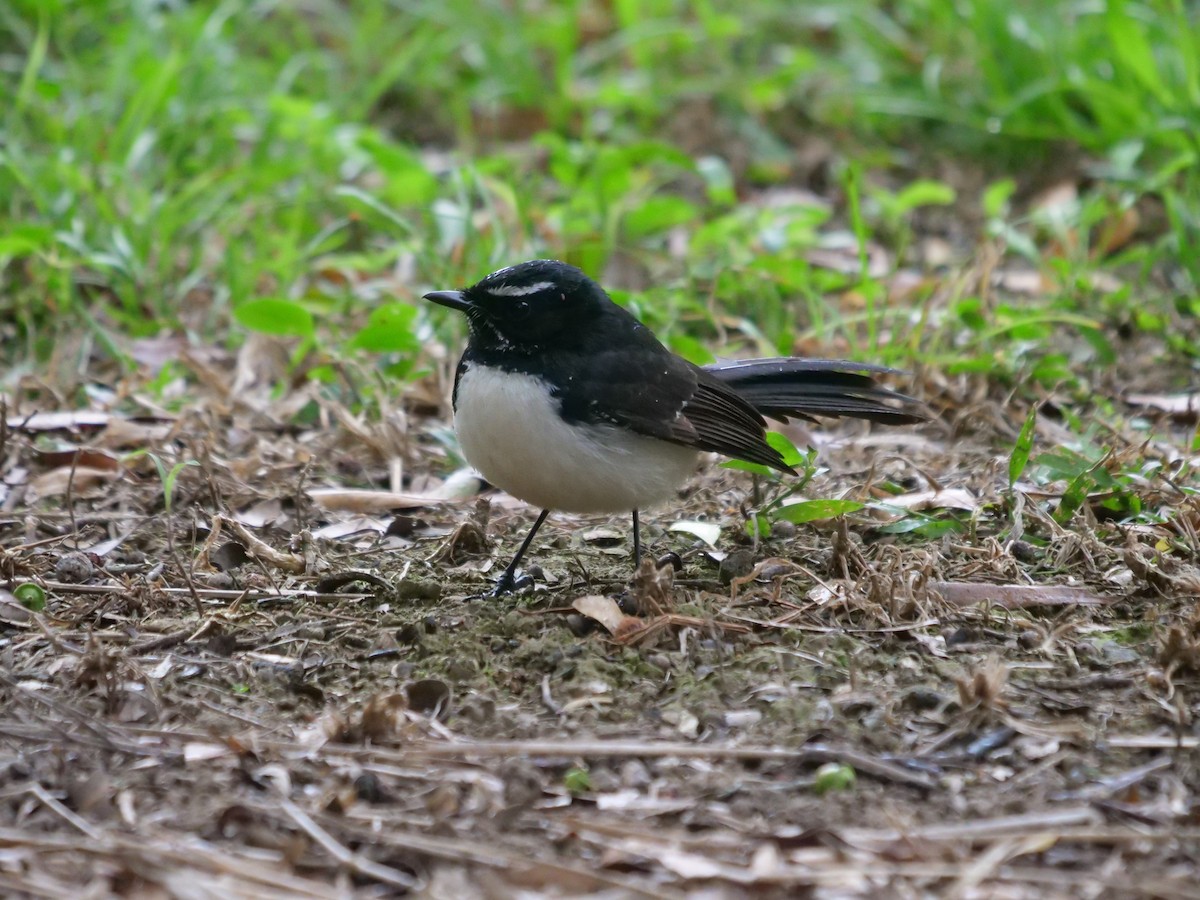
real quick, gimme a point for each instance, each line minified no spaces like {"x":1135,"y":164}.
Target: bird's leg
{"x":637,"y":542}
{"x":510,"y":581}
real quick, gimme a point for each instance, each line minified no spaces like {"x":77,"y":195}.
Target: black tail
{"x":791,"y":387}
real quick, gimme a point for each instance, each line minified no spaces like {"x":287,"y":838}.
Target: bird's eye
{"x":520,"y":309}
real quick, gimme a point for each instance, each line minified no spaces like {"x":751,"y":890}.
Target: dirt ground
{"x":250,"y":681}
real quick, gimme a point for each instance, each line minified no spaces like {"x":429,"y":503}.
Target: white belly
{"x":509,"y":429}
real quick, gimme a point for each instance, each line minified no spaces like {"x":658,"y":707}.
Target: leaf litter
{"x":284,"y":681}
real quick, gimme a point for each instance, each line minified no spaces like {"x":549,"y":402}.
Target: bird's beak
{"x":453,"y":299}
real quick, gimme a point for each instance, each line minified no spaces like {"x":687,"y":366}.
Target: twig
{"x":360,"y":865}
{"x":209,"y":593}
{"x":258,"y":548}
{"x":183,"y":636}
{"x":50,"y":803}
{"x":811,"y":754}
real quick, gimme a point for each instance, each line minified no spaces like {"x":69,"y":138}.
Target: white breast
{"x":510,"y":430}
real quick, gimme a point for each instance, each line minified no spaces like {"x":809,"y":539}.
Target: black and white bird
{"x":566,"y":401}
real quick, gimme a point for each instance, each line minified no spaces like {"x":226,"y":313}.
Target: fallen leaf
{"x":709,"y":532}
{"x":124,"y":433}
{"x":1180,"y":406}
{"x":374,"y":501}
{"x":78,"y":478}
{"x":58,"y":421}
{"x":80,"y":457}
{"x":196,"y":751}
{"x":604,"y":610}
{"x":259,"y":514}
{"x":1016,"y":596}
{"x":947,"y":498}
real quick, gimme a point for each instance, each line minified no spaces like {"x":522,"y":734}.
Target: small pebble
{"x":782,"y":530}
{"x":461,"y":670}
{"x":959,"y":636}
{"x":580,"y":626}
{"x":409,"y":634}
{"x":923,"y":698}
{"x":736,"y":565}
{"x":369,"y":789}
{"x":634,"y":774}
{"x":1024,"y":551}
{"x":74,"y":568}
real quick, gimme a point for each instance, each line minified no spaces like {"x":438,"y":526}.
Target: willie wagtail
{"x":566,"y":401}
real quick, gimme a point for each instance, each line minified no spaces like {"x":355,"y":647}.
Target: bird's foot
{"x":512,"y":582}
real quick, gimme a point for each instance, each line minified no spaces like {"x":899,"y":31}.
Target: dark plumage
{"x":576,"y":405}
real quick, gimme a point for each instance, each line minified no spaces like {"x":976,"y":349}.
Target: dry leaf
{"x":947,"y":498}
{"x":605,"y":611}
{"x":709,"y":532}
{"x":1185,"y":407}
{"x":1016,"y":596}
{"x":77,"y":478}
{"x":58,"y":421}
{"x":361,"y":501}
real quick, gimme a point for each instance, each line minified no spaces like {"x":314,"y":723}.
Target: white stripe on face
{"x":518,"y":290}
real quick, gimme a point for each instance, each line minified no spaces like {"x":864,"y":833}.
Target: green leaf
{"x":996,"y":197}
{"x":791,"y":456}
{"x":758,"y":526}
{"x":834,"y":776}
{"x":718,"y":180}
{"x":922,"y":193}
{"x":31,"y":596}
{"x":658,"y":214}
{"x":1074,"y":497}
{"x":25,"y":240}
{"x":389,"y":329}
{"x":169,"y":476}
{"x":281,"y":317}
{"x":815,"y":510}
{"x":577,"y":781}
{"x":1133,"y":49}
{"x":740,"y":465}
{"x":1020,"y":455}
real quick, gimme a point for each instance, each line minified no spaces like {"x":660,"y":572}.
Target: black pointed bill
{"x":453,"y":299}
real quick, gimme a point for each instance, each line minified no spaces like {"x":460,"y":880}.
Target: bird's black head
{"x":529,"y":305}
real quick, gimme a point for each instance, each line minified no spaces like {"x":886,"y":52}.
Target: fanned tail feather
{"x":792,"y":387}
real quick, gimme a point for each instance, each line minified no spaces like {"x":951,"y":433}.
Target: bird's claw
{"x":513,"y":583}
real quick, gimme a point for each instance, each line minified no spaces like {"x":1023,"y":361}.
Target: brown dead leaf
{"x":946,"y":498}
{"x":360,"y":501}
{"x":1016,"y":596}
{"x":58,"y":421}
{"x":125,"y":433}
{"x":605,"y":611}
{"x":1116,"y":231}
{"x":81,"y":457}
{"x":77,"y":478}
{"x":1185,"y":407}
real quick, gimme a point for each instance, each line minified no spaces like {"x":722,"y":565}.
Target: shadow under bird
{"x":566,"y":401}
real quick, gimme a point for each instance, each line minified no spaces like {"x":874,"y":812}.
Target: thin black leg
{"x":508,"y":581}
{"x":637,"y":542}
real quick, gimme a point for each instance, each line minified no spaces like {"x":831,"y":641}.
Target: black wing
{"x":638,"y":384}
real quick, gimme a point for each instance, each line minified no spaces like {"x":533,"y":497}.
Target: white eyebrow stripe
{"x":519,"y":290}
